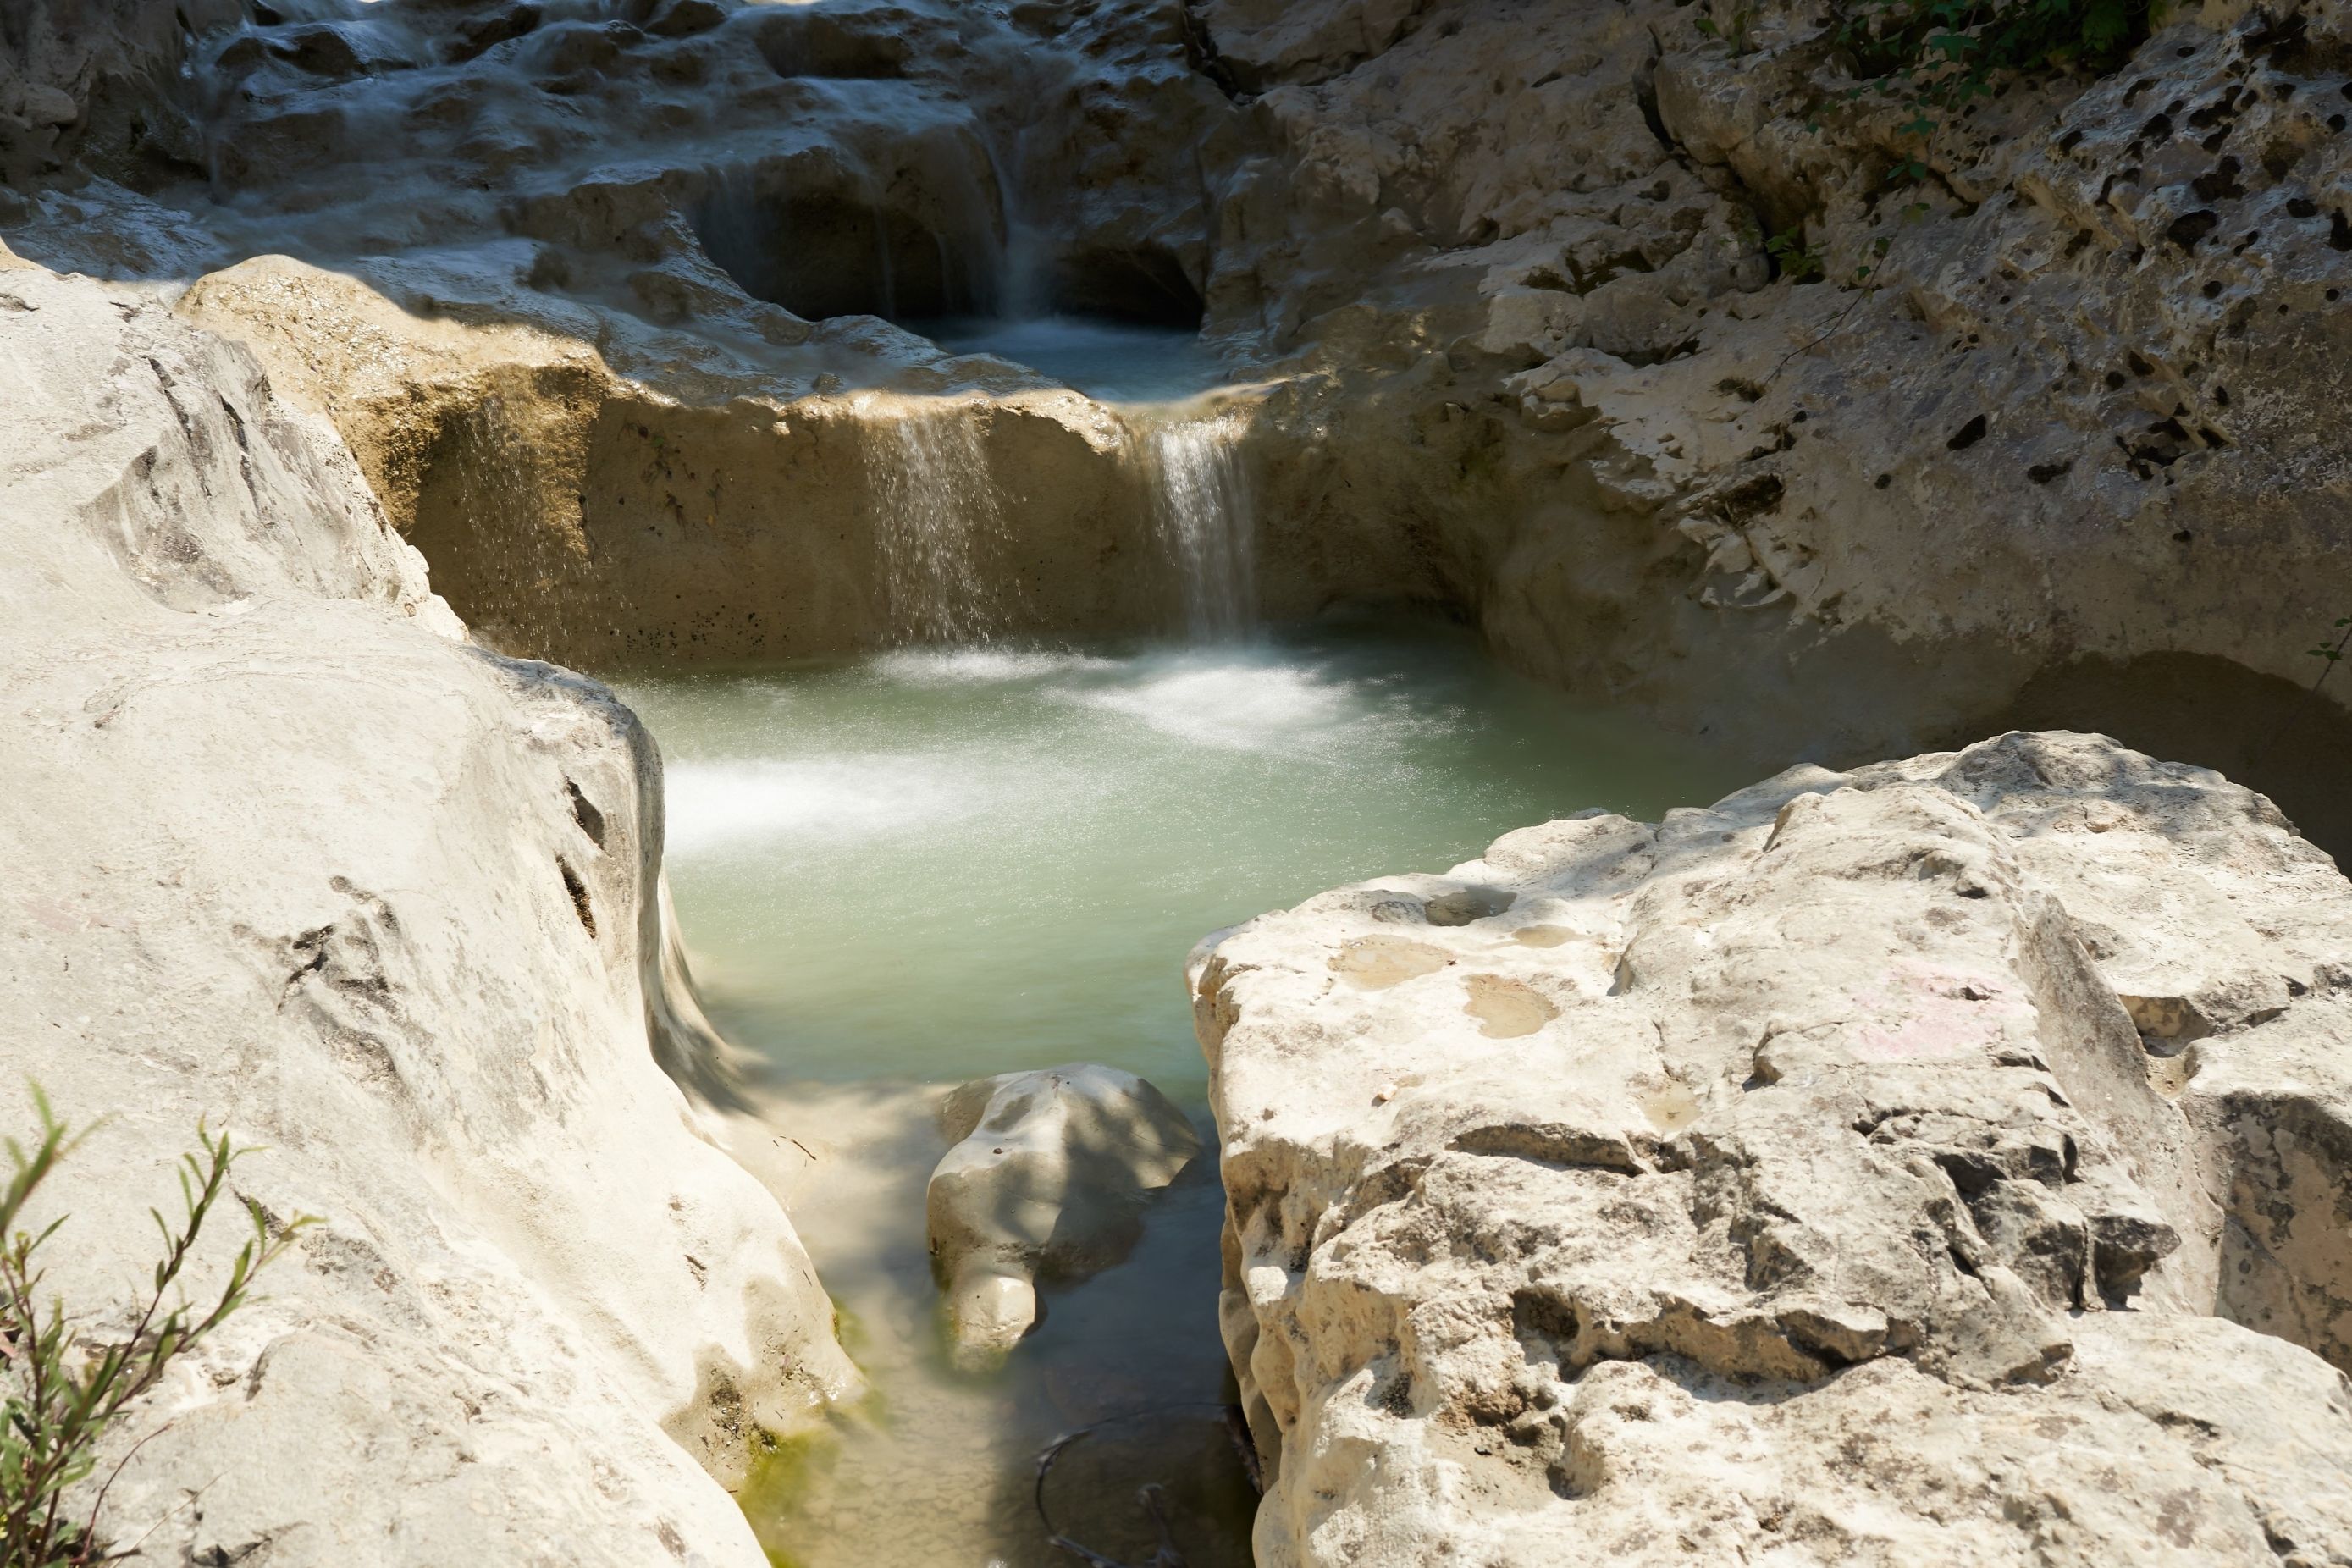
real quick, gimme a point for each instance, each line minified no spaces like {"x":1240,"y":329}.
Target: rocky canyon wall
{"x":2048,"y":416}
{"x":1659,"y":342}
{"x":1937,"y":1160}
{"x":291,"y":854}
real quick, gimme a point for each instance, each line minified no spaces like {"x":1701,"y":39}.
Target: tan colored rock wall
{"x":288,"y":853}
{"x":573,"y":513}
{"x":1523,"y":252}
{"x":1881,"y":1167}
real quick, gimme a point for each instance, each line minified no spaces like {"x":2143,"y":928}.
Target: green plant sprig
{"x":64,"y":1393}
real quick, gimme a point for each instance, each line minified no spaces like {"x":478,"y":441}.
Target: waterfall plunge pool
{"x":1109,"y":360}
{"x":903,"y":871}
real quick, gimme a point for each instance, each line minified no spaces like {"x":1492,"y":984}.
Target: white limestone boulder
{"x":1048,"y":1177}
{"x":287,"y":852}
{"x":1791,"y":1181}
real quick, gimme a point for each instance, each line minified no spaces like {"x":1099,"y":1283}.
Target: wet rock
{"x":1048,"y":1179}
{"x":1807,"y":1153}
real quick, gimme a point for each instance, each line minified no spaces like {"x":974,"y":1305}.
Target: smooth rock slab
{"x":285,"y":851}
{"x":1047,"y":1177}
{"x":1787,"y":1181}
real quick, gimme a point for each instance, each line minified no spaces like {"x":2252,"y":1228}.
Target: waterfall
{"x":937,"y":507}
{"x":1202,"y":500}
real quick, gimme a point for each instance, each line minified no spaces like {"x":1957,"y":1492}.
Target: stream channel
{"x":905,"y":870}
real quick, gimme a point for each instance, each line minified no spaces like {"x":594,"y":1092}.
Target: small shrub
{"x":1946,"y":52}
{"x":1938,"y":55}
{"x":1738,"y":35}
{"x":65,"y":1389}
{"x":1799,"y":262}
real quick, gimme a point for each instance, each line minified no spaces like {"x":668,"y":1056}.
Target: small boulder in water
{"x":1048,"y":1175}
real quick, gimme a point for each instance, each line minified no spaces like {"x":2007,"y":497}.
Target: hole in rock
{"x":812,"y":41}
{"x":837,"y":254}
{"x":2269,"y":735}
{"x":584,"y":811}
{"x":1146,"y":285}
{"x":579,"y":891}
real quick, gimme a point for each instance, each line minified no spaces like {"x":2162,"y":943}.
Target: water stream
{"x":936,"y":506}
{"x":1207,"y":517}
{"x":901,"y":871}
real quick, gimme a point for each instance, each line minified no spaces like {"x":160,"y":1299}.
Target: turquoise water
{"x":1113,"y":362}
{"x":940,"y":863}
{"x":926,"y":865}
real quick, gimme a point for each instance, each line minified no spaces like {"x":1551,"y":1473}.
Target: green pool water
{"x":922,"y":866}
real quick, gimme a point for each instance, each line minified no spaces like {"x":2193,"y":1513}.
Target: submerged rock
{"x":1789,"y":1179}
{"x":1047,"y":1178}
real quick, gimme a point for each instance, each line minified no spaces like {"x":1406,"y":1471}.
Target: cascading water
{"x":1202,"y":500}
{"x":936,"y":507}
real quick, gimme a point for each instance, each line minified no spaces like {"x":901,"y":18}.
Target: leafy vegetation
{"x":1946,"y":52}
{"x":2332,"y":654}
{"x":65,"y":1388}
{"x":1937,"y":57}
{"x":1799,"y":262}
{"x":1739,"y":34}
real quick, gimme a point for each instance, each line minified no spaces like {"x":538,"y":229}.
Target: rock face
{"x":1577,"y":295}
{"x":100,"y":83}
{"x":288,"y":853}
{"x":1617,"y":333}
{"x":591,"y":517}
{"x":1945,"y":1160}
{"x":624,"y":415}
{"x":1048,"y":1179}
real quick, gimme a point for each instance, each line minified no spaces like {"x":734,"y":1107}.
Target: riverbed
{"x":902,"y":871}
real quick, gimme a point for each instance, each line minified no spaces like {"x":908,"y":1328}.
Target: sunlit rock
{"x":1789,"y":1177}
{"x":290,"y":853}
{"x":1048,"y":1179}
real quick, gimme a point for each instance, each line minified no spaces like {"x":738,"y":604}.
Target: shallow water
{"x":907,"y":870}
{"x":1112,"y":362}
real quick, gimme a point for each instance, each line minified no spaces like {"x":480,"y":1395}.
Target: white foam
{"x":1236,"y":704}
{"x":979,"y":666}
{"x":726,"y":805}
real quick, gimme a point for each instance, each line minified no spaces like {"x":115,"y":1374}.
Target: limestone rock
{"x":1789,"y":1178}
{"x":288,"y":853}
{"x":2017,"y":440}
{"x":1047,"y":1178}
{"x":1604,"y":329}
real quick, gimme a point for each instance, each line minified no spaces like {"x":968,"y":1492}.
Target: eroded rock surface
{"x":288,"y":853}
{"x":1789,"y":1179}
{"x":1620,"y":335}
{"x":1047,"y":1178}
{"x":2049,"y":410}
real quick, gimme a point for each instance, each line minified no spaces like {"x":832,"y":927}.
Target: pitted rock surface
{"x":1826,"y":1202}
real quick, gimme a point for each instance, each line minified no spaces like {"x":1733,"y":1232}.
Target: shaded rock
{"x":1048,"y":1179}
